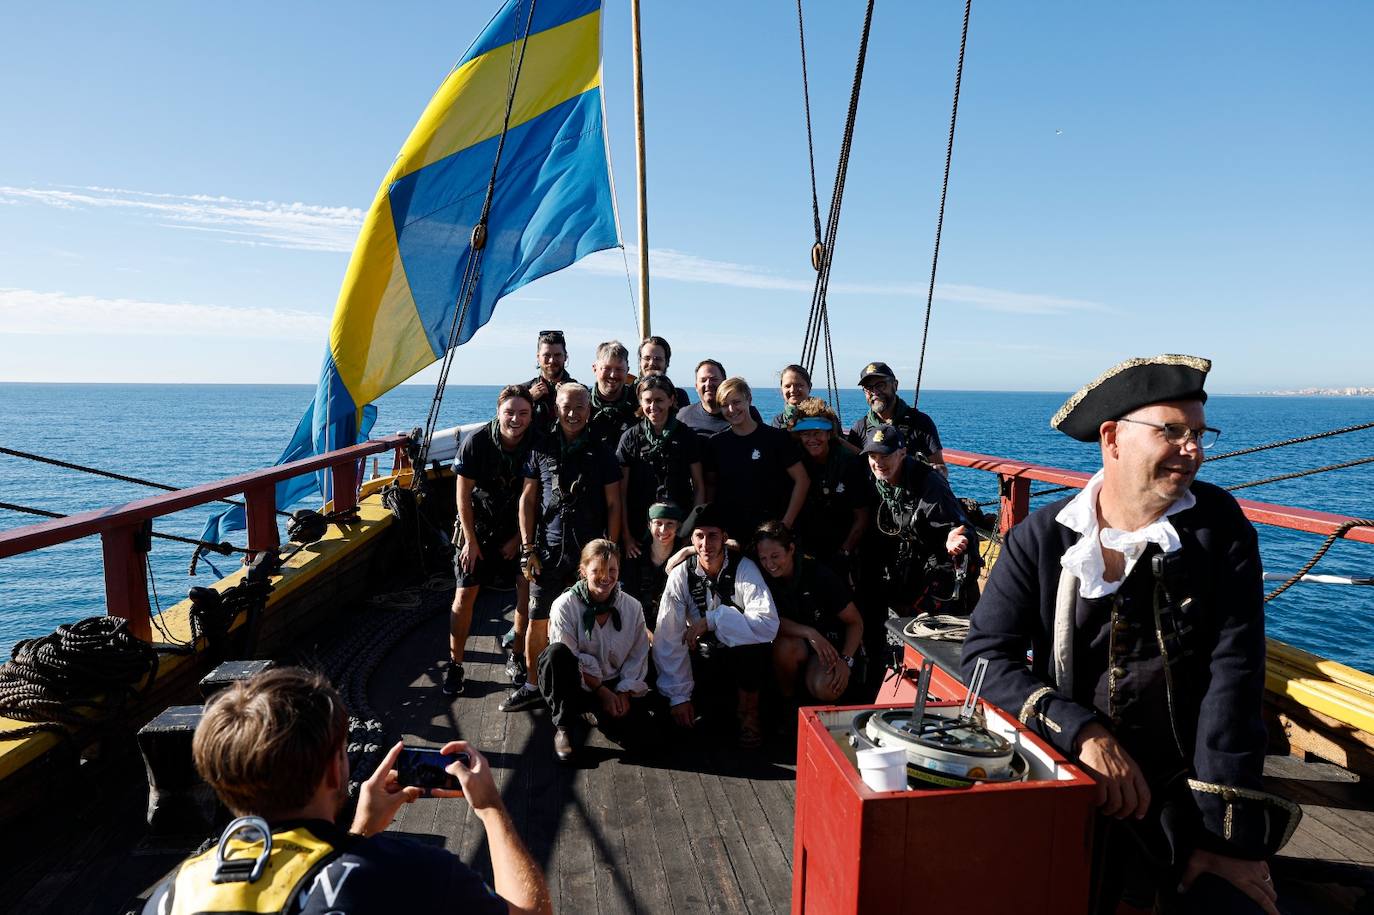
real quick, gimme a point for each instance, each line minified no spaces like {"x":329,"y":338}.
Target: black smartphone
{"x":424,"y":767}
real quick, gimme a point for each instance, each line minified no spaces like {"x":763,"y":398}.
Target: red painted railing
{"x":1015,"y":479}
{"x":121,"y":528}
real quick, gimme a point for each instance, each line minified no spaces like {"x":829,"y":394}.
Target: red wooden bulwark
{"x":1017,"y":475}
{"x":121,"y":528}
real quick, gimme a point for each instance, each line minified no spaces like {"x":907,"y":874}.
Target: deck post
{"x":400,"y":459}
{"x":126,"y":578}
{"x":262,"y":517}
{"x":345,"y":486}
{"x":1015,"y":507}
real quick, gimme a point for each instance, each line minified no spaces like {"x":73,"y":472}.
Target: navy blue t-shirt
{"x":383,"y":873}
{"x":498,"y":475}
{"x":572,"y":484}
{"x":752,"y":482}
{"x":659,"y":470}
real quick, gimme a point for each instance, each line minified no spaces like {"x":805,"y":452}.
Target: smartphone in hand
{"x":424,"y":767}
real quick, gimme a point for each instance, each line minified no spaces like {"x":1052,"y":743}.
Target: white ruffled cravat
{"x":1084,"y":559}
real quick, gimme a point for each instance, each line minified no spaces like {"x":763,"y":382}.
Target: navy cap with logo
{"x":1128,"y":386}
{"x":876,"y":370}
{"x":883,"y":439}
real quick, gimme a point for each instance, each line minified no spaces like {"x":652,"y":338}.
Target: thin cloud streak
{"x":297,"y":225}
{"x":30,"y":312}
{"x":667,"y":264}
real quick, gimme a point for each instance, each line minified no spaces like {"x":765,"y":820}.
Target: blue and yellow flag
{"x":551,"y":206}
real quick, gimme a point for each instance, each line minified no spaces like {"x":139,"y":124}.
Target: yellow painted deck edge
{"x":309,"y":564}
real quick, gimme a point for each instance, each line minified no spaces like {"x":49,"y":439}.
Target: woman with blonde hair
{"x":758,"y":474}
{"x":598,"y":654}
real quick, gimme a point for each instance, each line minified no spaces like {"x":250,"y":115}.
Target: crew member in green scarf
{"x":795,"y":383}
{"x":885,"y":406}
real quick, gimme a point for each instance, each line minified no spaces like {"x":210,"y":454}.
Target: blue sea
{"x":188,"y":434}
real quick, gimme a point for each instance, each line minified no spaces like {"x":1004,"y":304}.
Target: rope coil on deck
{"x":84,"y":672}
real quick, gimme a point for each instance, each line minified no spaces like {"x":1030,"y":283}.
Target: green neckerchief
{"x":568,"y":448}
{"x":789,"y":410}
{"x":592,"y":609}
{"x":511,"y":459}
{"x":657,"y":440}
{"x":899,"y":409}
{"x":601,"y":405}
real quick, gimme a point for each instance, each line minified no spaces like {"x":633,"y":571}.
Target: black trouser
{"x":560,"y":680}
{"x":1127,"y":865}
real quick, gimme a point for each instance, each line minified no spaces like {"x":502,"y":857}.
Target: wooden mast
{"x":643,"y":196}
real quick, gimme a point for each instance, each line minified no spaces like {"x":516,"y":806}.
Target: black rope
{"x":1330,"y":541}
{"x":816,"y":252}
{"x":1290,"y":441}
{"x":818,"y":320}
{"x":221,"y":548}
{"x":83,"y":673}
{"x":472,"y":271}
{"x":106,"y":473}
{"x":944,"y":193}
{"x":1300,"y":473}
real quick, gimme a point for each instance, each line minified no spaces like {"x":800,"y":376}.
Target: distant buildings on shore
{"x":1322,"y":392}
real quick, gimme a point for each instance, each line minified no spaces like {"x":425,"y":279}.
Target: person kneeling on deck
{"x":917,"y":556}
{"x":1141,"y":601}
{"x":598,"y":654}
{"x":820,"y":633}
{"x":716,"y":622}
{"x":571,"y":497}
{"x":273,"y":749}
{"x":491,"y":471}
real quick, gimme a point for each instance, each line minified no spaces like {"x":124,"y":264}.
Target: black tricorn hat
{"x":1128,"y":386}
{"x":707,"y":515}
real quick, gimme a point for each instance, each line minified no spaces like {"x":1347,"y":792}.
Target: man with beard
{"x":886,"y":407}
{"x":491,"y":476}
{"x":704,"y":417}
{"x":654,"y":356}
{"x":613,"y":401}
{"x":273,"y":748}
{"x":571,"y":497}
{"x":716,"y":625}
{"x":551,"y":358}
{"x":1140,"y":599}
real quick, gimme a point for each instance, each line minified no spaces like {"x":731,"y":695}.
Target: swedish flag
{"x":551,"y":205}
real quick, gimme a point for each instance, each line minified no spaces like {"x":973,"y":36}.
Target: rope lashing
{"x":472,"y":269}
{"x":83,"y":672}
{"x":96,"y":471}
{"x":944,"y":193}
{"x":822,"y":253}
{"x":1329,"y":542}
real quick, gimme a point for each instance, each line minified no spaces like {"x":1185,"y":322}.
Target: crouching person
{"x":716,"y":625}
{"x":598,"y":654}
{"x":273,"y":749}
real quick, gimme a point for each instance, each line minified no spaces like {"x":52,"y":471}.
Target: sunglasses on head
{"x":552,"y":336}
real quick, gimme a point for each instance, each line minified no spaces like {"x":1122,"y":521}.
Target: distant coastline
{"x":1320,"y":392}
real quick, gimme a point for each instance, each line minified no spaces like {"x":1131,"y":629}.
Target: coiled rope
{"x":938,"y":627}
{"x":84,"y":672}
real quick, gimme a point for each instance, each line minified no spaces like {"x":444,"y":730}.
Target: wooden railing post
{"x":345,"y":477}
{"x":1015,"y":501}
{"x":262,"y":517}
{"x":126,"y":578}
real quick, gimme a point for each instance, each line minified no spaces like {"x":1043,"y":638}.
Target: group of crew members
{"x":689,"y":551}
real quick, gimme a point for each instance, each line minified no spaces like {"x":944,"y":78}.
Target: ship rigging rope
{"x":82,"y":673}
{"x":107,"y":473}
{"x":472,"y":270}
{"x":818,"y":321}
{"x":944,"y":193}
{"x":1330,"y":541}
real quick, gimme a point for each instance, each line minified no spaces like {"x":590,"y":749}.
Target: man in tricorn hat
{"x":1140,"y":599}
{"x":886,"y":407}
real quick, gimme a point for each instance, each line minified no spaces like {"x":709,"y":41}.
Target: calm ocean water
{"x":187,"y":434}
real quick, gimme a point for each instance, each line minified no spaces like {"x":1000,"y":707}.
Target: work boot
{"x":453,"y":680}
{"x":562,"y":744}
{"x":747,"y":713}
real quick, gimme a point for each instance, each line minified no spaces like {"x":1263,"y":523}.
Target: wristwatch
{"x":848,"y":660}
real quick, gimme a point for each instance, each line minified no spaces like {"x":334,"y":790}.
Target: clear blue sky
{"x":180,"y":184}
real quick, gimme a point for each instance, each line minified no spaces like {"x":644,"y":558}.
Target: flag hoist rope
{"x":472,"y":270}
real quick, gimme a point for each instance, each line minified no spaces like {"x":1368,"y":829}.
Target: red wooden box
{"x":1019,"y":847}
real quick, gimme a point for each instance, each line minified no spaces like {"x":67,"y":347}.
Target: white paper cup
{"x":883,"y":768}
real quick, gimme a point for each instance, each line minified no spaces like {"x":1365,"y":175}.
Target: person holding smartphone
{"x":273,"y":748}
